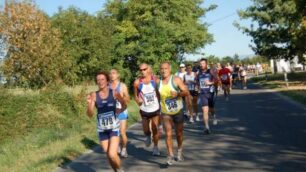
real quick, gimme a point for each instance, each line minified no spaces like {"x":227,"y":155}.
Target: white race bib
{"x":224,"y":77}
{"x":202,"y":83}
{"x":150,"y":98}
{"x":172,"y":105}
{"x":107,"y":121}
{"x":191,"y":87}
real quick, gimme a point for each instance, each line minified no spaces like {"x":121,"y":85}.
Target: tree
{"x":34,"y":57}
{"x":213,"y":59}
{"x":155,"y":31}
{"x":87,"y":40}
{"x":278,"y":31}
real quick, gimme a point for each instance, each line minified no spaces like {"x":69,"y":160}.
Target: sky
{"x":228,"y":40}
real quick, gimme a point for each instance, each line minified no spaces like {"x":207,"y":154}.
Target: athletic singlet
{"x":202,"y":78}
{"x":225,"y":75}
{"x":181,"y":75}
{"x":148,"y":94}
{"x":118,"y":104}
{"x":169,"y":105}
{"x":190,"y":78}
{"x":106,"y":117}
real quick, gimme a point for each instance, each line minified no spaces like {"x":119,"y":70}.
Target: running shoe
{"x":191,"y":120}
{"x":207,"y":131}
{"x":180,"y":156}
{"x":148,"y":141}
{"x":170,"y":160}
{"x":198,"y":118}
{"x":156,"y":151}
{"x":124,"y":153}
{"x":244,"y":88}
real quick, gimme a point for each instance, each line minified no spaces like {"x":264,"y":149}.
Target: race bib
{"x":107,"y":121}
{"x":149,"y":98}
{"x":202,"y":83}
{"x":172,"y":105}
{"x":191,"y":87}
{"x":224,"y":77}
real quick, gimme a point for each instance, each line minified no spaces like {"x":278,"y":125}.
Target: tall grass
{"x":40,"y":130}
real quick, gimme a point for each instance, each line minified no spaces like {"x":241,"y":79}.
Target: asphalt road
{"x":258,"y":131}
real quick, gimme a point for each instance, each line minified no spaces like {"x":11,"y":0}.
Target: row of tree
{"x":72,"y":45}
{"x":278,"y":28}
{"x":237,"y":60}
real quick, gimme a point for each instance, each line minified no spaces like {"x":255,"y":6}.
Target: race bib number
{"x":202,"y":83}
{"x":107,"y":120}
{"x":224,"y":77}
{"x":149,"y":98}
{"x":191,"y":87}
{"x":172,"y":105}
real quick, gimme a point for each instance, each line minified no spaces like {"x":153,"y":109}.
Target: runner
{"x":229,"y":66}
{"x":172,"y":89}
{"x":191,"y":99}
{"x":108,"y":124}
{"x":243,"y":76}
{"x":146,"y":96}
{"x":181,"y":73}
{"x":206,"y":84}
{"x":235,"y":75}
{"x":224,"y":75}
{"x":123,"y":90}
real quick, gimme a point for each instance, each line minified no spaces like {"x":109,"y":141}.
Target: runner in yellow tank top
{"x":172,"y":89}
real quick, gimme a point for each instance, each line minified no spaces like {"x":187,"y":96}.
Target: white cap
{"x":182,"y":65}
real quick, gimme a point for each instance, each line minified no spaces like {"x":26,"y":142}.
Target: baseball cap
{"x":182,"y":65}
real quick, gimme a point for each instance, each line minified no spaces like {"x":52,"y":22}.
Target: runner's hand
{"x":116,"y":94}
{"x":174,"y":94}
{"x":89,"y":99}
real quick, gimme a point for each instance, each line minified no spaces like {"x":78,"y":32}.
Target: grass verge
{"x":296,"y":89}
{"x":44,"y":129}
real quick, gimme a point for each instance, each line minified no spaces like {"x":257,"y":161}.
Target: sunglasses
{"x":143,"y":69}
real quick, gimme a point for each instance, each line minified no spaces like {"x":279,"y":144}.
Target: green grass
{"x":297,"y":95}
{"x":42,"y":129}
{"x":292,"y":77}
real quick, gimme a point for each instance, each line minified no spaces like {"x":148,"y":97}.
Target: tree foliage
{"x":154,"y":31}
{"x":279,"y":29}
{"x":34,"y":56}
{"x":87,"y":41}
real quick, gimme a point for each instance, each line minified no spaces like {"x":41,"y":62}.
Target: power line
{"x":221,"y":18}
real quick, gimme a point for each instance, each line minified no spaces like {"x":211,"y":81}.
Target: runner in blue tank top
{"x":107,"y":121}
{"x":205,"y":82}
{"x":121,"y":88}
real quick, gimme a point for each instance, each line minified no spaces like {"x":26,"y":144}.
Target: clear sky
{"x":228,"y":39}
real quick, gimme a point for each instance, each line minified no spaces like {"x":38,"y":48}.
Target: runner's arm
{"x":180,"y":84}
{"x":91,"y":99}
{"x":125,"y":92}
{"x":135,"y":88}
{"x":121,"y":100}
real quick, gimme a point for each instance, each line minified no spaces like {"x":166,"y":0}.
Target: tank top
{"x":118,"y":104}
{"x":148,"y":94}
{"x":169,"y":105}
{"x":202,"y":78}
{"x":188,"y":79}
{"x":106,"y":116}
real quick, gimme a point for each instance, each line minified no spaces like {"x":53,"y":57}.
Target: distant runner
{"x":206,"y":83}
{"x":225,"y":75}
